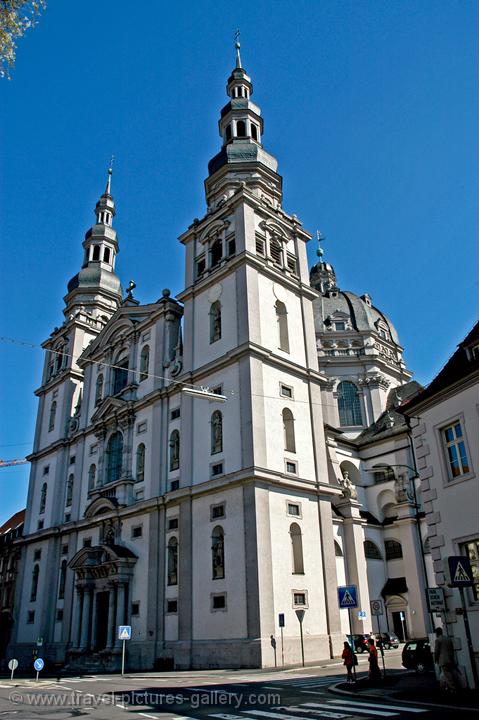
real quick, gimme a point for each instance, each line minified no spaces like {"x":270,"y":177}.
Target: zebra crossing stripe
{"x":284,"y":716}
{"x":355,"y":710}
{"x":404,"y":708}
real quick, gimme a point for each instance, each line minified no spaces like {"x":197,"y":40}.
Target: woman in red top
{"x":374,"y":671}
{"x":348,"y":658}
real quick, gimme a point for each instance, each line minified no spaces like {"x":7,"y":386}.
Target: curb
{"x":336,"y":690}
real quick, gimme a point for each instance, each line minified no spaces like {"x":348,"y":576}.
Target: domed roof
{"x":93,"y":276}
{"x":363,"y":315}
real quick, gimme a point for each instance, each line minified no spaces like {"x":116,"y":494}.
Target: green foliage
{"x":16,"y":17}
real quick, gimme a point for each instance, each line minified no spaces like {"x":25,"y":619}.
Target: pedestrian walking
{"x":445,"y":658}
{"x":348,"y":657}
{"x":374,"y":671}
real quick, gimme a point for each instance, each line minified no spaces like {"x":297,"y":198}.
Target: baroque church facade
{"x":198,"y":517}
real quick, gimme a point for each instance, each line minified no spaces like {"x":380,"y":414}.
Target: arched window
{"x":96,"y":253}
{"x":297,"y":548}
{"x":35,"y":575}
{"x":337,"y":549}
{"x":62,"y":581}
{"x":371,"y":551}
{"x":288,"y":430}
{"x":91,"y":476}
{"x":218,"y":553}
{"x":120,"y":374}
{"x":53,"y":410}
{"x":241,"y":128}
{"x":43,"y":498}
{"x":216,"y":432}
{"x":173,"y":561}
{"x":348,"y":404}
{"x":254,"y":132}
{"x":174,"y":450}
{"x":383,"y":473}
{"x":140,"y":463}
{"x":215,"y":321}
{"x":114,"y":457}
{"x":69,"y":491}
{"x":282,"y":320}
{"x":393,"y":549}
{"x":144,"y":362}
{"x":216,"y":252}
{"x":99,"y":389}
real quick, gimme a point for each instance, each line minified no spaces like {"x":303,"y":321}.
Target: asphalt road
{"x":299,"y":694}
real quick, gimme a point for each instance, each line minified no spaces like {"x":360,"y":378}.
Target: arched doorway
{"x":396,"y":606}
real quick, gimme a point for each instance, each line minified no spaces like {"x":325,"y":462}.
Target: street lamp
{"x":412,"y":497}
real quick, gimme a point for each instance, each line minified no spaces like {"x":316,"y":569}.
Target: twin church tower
{"x":198,"y":521}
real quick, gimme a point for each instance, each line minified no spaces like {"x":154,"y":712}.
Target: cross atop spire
{"x":237,"y":46}
{"x":110,"y":173}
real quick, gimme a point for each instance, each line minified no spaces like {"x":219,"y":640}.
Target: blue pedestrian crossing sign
{"x":348,"y":596}
{"x":460,"y":571}
{"x":124,"y":632}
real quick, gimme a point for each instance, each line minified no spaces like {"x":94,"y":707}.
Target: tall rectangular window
{"x":456,"y":455}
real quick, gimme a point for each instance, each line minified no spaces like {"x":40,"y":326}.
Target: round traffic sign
{"x":13,"y":664}
{"x":38,"y":664}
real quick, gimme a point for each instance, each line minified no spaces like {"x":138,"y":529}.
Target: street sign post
{"x":378,"y":610}
{"x":348,"y":599}
{"x":348,"y":596}
{"x":300,"y":616}
{"x":12,"y":665}
{"x":38,"y":665}
{"x":124,"y":633}
{"x":376,"y":607}
{"x":460,"y":573}
{"x":281,"y":625}
{"x":435,"y":599}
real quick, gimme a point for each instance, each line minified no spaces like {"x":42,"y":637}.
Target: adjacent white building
{"x":199,"y":521}
{"x":445,"y":419}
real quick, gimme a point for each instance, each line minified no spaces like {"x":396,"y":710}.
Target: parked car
{"x":387,"y":640}
{"x":417,"y":655}
{"x":360,"y":642}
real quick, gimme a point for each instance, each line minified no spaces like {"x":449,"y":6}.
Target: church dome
{"x":335,"y":305}
{"x":93,"y":276}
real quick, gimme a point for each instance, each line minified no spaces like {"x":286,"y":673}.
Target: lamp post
{"x":412,"y":497}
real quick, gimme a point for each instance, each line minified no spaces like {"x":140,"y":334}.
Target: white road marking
{"x":155,"y":717}
{"x":123,"y":707}
{"x":284,"y":716}
{"x":406,"y":708}
{"x":354,"y":710}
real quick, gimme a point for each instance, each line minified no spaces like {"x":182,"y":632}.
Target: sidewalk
{"x":410,"y":687}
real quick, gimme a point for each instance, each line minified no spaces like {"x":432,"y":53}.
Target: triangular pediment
{"x":108,"y":407}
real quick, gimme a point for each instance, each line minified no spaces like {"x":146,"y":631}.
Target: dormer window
{"x":475,"y":352}
{"x":340,"y":326}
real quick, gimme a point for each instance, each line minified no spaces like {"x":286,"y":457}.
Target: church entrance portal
{"x":102,"y":601}
{"x":399,"y":626}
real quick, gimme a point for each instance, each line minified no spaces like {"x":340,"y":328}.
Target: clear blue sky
{"x":372,"y":109}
